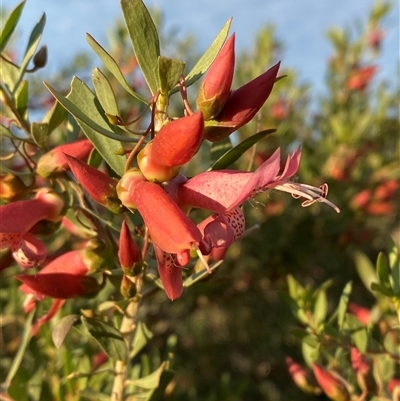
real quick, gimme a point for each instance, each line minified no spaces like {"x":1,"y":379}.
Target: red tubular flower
{"x":224,"y":190}
{"x":169,"y":227}
{"x":64,"y":277}
{"x":17,"y":219}
{"x":216,"y":85}
{"x":361,"y":77}
{"x":128,"y":253}
{"x":170,"y":273}
{"x":241,"y":106}
{"x":98,"y":185}
{"x":55,"y":162}
{"x":332,"y":385}
{"x":361,"y":313}
{"x":174,"y":145}
{"x":302,"y":377}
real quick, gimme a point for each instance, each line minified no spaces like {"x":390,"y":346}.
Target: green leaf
{"x":344,"y":300}
{"x":235,"y":153}
{"x":62,"y":328}
{"x":55,"y":116}
{"x":358,"y":332}
{"x":394,"y":264}
{"x":365,"y":270}
{"x":382,"y":271}
{"x":33,"y":43}
{"x":158,"y":393}
{"x":112,"y":66}
{"x":4,"y":131}
{"x":145,"y":41}
{"x":9,"y":74}
{"x":40,"y":133}
{"x":382,"y":290}
{"x":105,"y":93}
{"x":152,"y":380}
{"x":209,"y":56}
{"x":218,"y":149}
{"x":169,"y":70}
{"x":195,"y":277}
{"x":107,"y":336}
{"x":10,"y":24}
{"x":310,"y":349}
{"x":320,"y":308}
{"x":142,"y":336}
{"x":26,"y":336}
{"x":294,"y":306}
{"x":296,"y":290}
{"x":83,"y":105}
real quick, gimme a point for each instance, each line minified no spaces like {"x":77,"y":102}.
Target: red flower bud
{"x":64,"y":277}
{"x":216,"y":86}
{"x":55,"y":162}
{"x":174,"y":145}
{"x":361,"y":313}
{"x":129,"y":254}
{"x":302,"y":377}
{"x":241,"y":106}
{"x":98,"y":185}
{"x":332,"y":385}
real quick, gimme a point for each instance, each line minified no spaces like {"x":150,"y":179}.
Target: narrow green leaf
{"x":83,"y":105}
{"x":152,"y":380}
{"x":169,"y":70}
{"x":382,"y":290}
{"x":21,"y":99}
{"x":218,"y":149}
{"x":365,"y":270}
{"x":358,"y":332}
{"x":209,"y":56}
{"x":33,"y":43}
{"x":62,"y":328}
{"x":158,"y":393}
{"x":195,"y":277}
{"x":112,"y":66}
{"x":26,"y":336}
{"x":9,"y":74}
{"x":55,"y":116}
{"x":344,"y":300}
{"x":235,"y":153}
{"x":105,"y":93}
{"x":40,"y":133}
{"x":394,"y":265}
{"x":107,"y":336}
{"x":4,"y":131}
{"x":294,"y":306}
{"x":145,"y":41}
{"x":320,"y":308}
{"x":10,"y":24}
{"x":142,"y":336}
{"x":310,"y":349}
{"x":382,"y":270}
{"x":295,"y":288}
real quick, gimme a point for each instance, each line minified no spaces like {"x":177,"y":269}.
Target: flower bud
{"x":64,"y":277}
{"x":40,"y":58}
{"x":98,"y":185}
{"x":302,"y":377}
{"x":216,"y":86}
{"x":174,"y":145}
{"x":128,"y":253}
{"x":332,"y":385}
{"x":241,"y":106}
{"x":54,"y":161}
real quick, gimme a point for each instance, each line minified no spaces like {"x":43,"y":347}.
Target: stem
{"x":127,"y":329}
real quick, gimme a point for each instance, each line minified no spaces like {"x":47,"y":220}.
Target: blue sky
{"x":300,"y":25}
